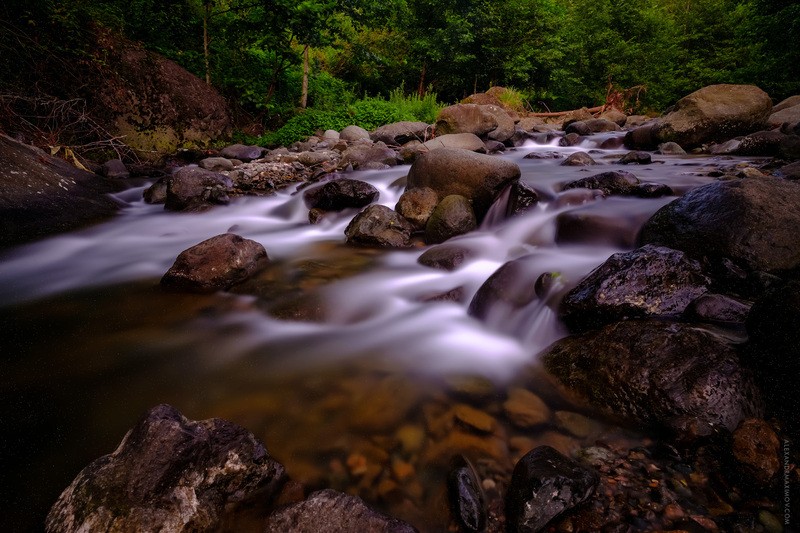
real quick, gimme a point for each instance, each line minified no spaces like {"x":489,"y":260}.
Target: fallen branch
{"x":597,"y":109}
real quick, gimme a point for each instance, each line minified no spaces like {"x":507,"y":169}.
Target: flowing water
{"x":337,"y":357}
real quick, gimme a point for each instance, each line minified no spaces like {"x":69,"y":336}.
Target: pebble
{"x":474,"y":418}
{"x":525,"y":409}
{"x":575,"y":424}
{"x":410,"y":437}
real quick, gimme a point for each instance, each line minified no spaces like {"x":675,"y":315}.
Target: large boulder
{"x":329,"y":511}
{"x":216,"y":263}
{"x":479,"y":178}
{"x":379,"y":226}
{"x":196,"y":189}
{"x":354,"y":133}
{"x":168,"y":474}
{"x":399,"y":133}
{"x":656,"y":373}
{"x":362,"y":155}
{"x":41,"y":195}
{"x":339,"y":194}
{"x":649,"y":282}
{"x":750,"y":221}
{"x":713,"y":113}
{"x":789,"y":115}
{"x":483,"y":120}
{"x":453,"y":216}
{"x":463,"y":141}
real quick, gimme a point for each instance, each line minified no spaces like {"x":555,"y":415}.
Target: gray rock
{"x":331,"y":135}
{"x":544,"y":485}
{"x":453,"y":216}
{"x":445,"y":257}
{"x":196,"y":189}
{"x":787,"y":114}
{"x":354,"y":133}
{"x":115,"y":169}
{"x":718,"y":309}
{"x":614,"y":182}
{"x":339,"y":194}
{"x":168,"y":474}
{"x":316,"y":158}
{"x":465,"y":118}
{"x":328,"y":511}
{"x":510,"y":287}
{"x":614,"y":115}
{"x":578,"y":159}
{"x":648,"y":282}
{"x":570,"y":139}
{"x":216,"y":263}
{"x":216,"y":164}
{"x":362,"y":154}
{"x":399,"y":133}
{"x":670,"y":148}
{"x":463,"y":141}
{"x":465,"y":496}
{"x":786,"y":103}
{"x":379,"y":226}
{"x":242,"y":152}
{"x":636,"y":158}
{"x":505,"y":123}
{"x":157,"y":192}
{"x":767,"y":143}
{"x":417,"y":205}
{"x":578,"y":127}
{"x":599,"y":125}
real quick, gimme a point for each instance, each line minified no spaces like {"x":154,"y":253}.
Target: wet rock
{"x":719,"y":309}
{"x":339,"y":194}
{"x":670,"y":148}
{"x":465,"y":118}
{"x":766,"y":143}
{"x":577,"y":197}
{"x":242,"y":152}
{"x":361,"y":155}
{"x":544,"y":485}
{"x":786,"y":103}
{"x":317,"y":158}
{"x":790,"y":147}
{"x":445,"y":257}
{"x":614,"y":115}
{"x":479,"y":178}
{"x":576,"y":424}
{"x":599,"y":125}
{"x":115,"y":169}
{"x":196,"y":189}
{"x":470,"y":445}
{"x":379,"y":226}
{"x":510,"y":287}
{"x":579,"y":127}
{"x":614,"y":182}
{"x":474,"y":419}
{"x":756,"y":450}
{"x":570,"y":139}
{"x":157,"y":192}
{"x":636,"y":158}
{"x":651,"y":281}
{"x":651,"y":190}
{"x":578,"y":159}
{"x":787,"y":114}
{"x":399,"y":133}
{"x":724,"y":148}
{"x":790,"y":171}
{"x":417,"y":205}
{"x":354,"y":133}
{"x":264,"y":177}
{"x":543,"y":155}
{"x":505,"y":123}
{"x":716,"y":221}
{"x":215,"y":264}
{"x":659,"y":374}
{"x":576,"y":115}
{"x":168,"y":474}
{"x":453,"y":216}
{"x":525,"y":409}
{"x":522,"y":198}
{"x":589,"y":225}
{"x":330,"y":511}
{"x":465,"y":496}
{"x":464,"y":141}
{"x":494,"y":147}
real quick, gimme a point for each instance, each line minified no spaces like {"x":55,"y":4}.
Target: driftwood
{"x":598,"y":109}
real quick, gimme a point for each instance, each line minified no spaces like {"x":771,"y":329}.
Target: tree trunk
{"x":304,"y":93}
{"x":206,"y":54}
{"x":421,"y":88}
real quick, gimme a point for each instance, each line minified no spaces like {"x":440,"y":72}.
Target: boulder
{"x":196,"y":189}
{"x":570,"y":139}
{"x":766,"y":143}
{"x":157,"y":192}
{"x":330,"y":135}
{"x":494,"y":147}
{"x":417,"y":205}
{"x":750,"y":221}
{"x":578,"y":159}
{"x":658,"y":374}
{"x":510,"y":287}
{"x":453,"y":216}
{"x":329,"y":511}
{"x":354,"y":133}
{"x":786,"y":103}
{"x":670,"y":148}
{"x":479,"y":178}
{"x":216,"y":164}
{"x":339,"y":194}
{"x":463,"y":141}
{"x":505,"y":123}
{"x":651,"y":281}
{"x":115,"y":169}
{"x":379,"y":226}
{"x":169,"y":474}
{"x":790,"y":171}
{"x":789,"y":115}
{"x":544,"y":485}
{"x":445,"y":257}
{"x":574,"y":116}
{"x":614,"y":182}
{"x":636,"y":158}
{"x":651,"y":190}
{"x":465,"y":496}
{"x":578,"y":127}
{"x":790,"y":147}
{"x":614,"y":115}
{"x":522,"y":197}
{"x":42,"y":195}
{"x":399,"y":133}
{"x":361,"y":155}
{"x":600,"y":125}
{"x":481,"y":120}
{"x":756,"y":449}
{"x":242,"y":152}
{"x":318,"y":157}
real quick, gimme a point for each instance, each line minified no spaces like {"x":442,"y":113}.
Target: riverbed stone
{"x":157,"y":192}
{"x":651,"y":190}
{"x":445,"y":257}
{"x":464,"y":141}
{"x":360,"y":155}
{"x":718,"y":309}
{"x":790,"y":171}
{"x":196,"y":189}
{"x":651,"y":281}
{"x":522,"y":198}
{"x":756,"y":450}
{"x":341,"y":193}
{"x":614,"y":115}
{"x":510,"y":287}
{"x":466,"y":118}
{"x":168,"y":474}
{"x":477,"y":177}
{"x":379,"y":226}
{"x":216,"y":264}
{"x":216,"y":164}
{"x":761,"y":143}
{"x":613,"y":182}
{"x":578,"y":159}
{"x":525,"y":409}
{"x":354,"y":133}
{"x":716,"y":221}
{"x":465,"y":496}
{"x":670,"y":148}
{"x":579,"y":127}
{"x":570,"y":139}
{"x":417,"y":205}
{"x":115,"y":169}
{"x":453,"y":216}
{"x":636,"y":158}
{"x":505,"y":123}
{"x":329,"y":511}
{"x":600,"y":125}
{"x":399,"y":133}
{"x":656,"y":373}
{"x":789,"y":115}
{"x":242,"y":152}
{"x":544,"y":485}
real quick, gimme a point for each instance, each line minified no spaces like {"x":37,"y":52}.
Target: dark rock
{"x":612,"y":143}
{"x":787,"y":114}
{"x":790,"y":147}
{"x":41,"y":195}
{"x":505,"y":123}
{"x":464,"y":141}
{"x":579,"y":127}
{"x":354,"y":133}
{"x":329,"y":511}
{"x":216,"y":164}
{"x":379,"y":226}
{"x":614,"y":182}
{"x":315,"y":215}
{"x":543,"y":155}
{"x":544,"y":284}
{"x":196,"y":189}
{"x":339,"y":194}
{"x":756,"y":450}
{"x":242,"y":152}
{"x":648,"y":282}
{"x":615,"y":115}
{"x":169,"y":474}
{"x":644,"y":137}
{"x":573,"y":116}
{"x":544,"y":485}
{"x":115,"y":169}
{"x":658,"y":374}
{"x":725,"y":148}
{"x":465,"y":118}
{"x":599,"y":125}
{"x":790,"y":171}
{"x":651,"y":190}
{"x":718,"y":308}
{"x":494,"y":147}
{"x":361,"y":154}
{"x":399,"y":133}
{"x":578,"y":159}
{"x":786,"y":103}
{"x":445,"y":257}
{"x":417,"y":205}
{"x":636,"y":158}
{"x":570,"y":139}
{"x":521,"y":198}
{"x":465,"y":495}
{"x":479,"y":178}
{"x":761,"y":143}
{"x":157,"y":192}
{"x":718,"y":221}
{"x":592,"y":226}
{"x":671,"y":148}
{"x":512,"y":286}
{"x":520,"y":137}
{"x":453,"y":216}
{"x":216,"y":263}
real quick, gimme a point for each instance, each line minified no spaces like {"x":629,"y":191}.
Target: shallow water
{"x":90,"y":342}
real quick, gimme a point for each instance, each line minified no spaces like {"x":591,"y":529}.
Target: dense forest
{"x":557,"y":54}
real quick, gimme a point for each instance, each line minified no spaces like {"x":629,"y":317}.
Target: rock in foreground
{"x":168,"y":474}
{"x":379,"y":226}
